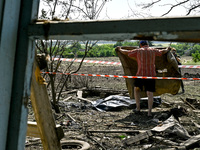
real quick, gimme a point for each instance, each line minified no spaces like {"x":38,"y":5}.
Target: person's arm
{"x":164,"y":51}
{"x":178,"y":59}
{"x":123,"y":51}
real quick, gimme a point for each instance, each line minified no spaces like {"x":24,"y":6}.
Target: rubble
{"x":175,"y":124}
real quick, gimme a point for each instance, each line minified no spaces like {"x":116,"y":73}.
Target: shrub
{"x":196,"y":56}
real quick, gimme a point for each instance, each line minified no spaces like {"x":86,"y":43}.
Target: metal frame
{"x":8,"y":39}
{"x":25,"y":53}
{"x":159,"y":29}
{"x":16,"y":59}
{"x":17,"y":35}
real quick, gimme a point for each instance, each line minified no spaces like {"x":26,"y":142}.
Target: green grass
{"x":187,"y":60}
{"x":191,"y":63}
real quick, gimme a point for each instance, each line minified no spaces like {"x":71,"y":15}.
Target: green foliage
{"x":194,"y":49}
{"x":122,"y":136}
{"x":108,"y":50}
{"x":118,"y":43}
{"x":105,"y":50}
{"x":127,"y":43}
{"x":186,"y":48}
{"x":196,"y":56}
{"x":181,"y":48}
{"x":75,"y":47}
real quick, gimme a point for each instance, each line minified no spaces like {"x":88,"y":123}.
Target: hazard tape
{"x":116,"y":76}
{"x":89,"y":61}
{"x":114,"y":63}
{"x":188,"y":66}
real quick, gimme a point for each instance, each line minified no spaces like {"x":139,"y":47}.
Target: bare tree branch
{"x":189,"y":5}
{"x":135,"y":12}
{"x":100,"y":9}
{"x":68,"y":11}
{"x":174,"y":7}
{"x":89,"y":9}
{"x":48,"y":3}
{"x":190,"y":10}
{"x":54,"y":8}
{"x":151,"y":4}
{"x":72,"y":72}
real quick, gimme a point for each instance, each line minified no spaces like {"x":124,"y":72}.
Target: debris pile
{"x":109,"y":122}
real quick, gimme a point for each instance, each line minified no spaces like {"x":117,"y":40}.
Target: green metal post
{"x":9,"y":16}
{"x":24,"y":57}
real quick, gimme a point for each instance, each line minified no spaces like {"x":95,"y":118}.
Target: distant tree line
{"x":98,"y":50}
{"x":108,"y":50}
{"x":188,"y":49}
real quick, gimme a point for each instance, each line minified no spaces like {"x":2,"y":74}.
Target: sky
{"x":117,"y":9}
{"x":122,"y":9}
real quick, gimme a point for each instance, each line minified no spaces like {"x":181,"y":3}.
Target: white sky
{"x":121,"y":9}
{"x":116,"y":9}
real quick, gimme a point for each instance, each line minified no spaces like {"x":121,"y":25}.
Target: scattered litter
{"x":171,"y":125}
{"x":191,"y":141}
{"x":138,"y":138}
{"x":115,"y":102}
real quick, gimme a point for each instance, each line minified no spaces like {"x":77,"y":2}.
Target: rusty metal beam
{"x":182,"y":29}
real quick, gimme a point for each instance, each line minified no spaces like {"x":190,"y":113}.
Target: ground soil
{"x":78,"y":119}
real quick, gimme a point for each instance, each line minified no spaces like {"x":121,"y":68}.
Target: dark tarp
{"x":116,"y":102}
{"x":166,"y":61}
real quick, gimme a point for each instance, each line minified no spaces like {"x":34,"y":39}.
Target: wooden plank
{"x":191,"y":141}
{"x":116,"y":131}
{"x":164,"y":141}
{"x":32,"y":130}
{"x":84,"y":99}
{"x":138,"y":137}
{"x":68,"y":98}
{"x":159,"y":29}
{"x":43,"y":111}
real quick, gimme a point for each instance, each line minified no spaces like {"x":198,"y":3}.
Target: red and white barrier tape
{"x":114,"y":63}
{"x":116,"y":76}
{"x":188,"y":66}
{"x":89,"y":61}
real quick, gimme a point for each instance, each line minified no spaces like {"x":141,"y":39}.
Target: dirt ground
{"x":122,"y":129}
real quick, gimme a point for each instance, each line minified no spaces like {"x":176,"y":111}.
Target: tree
{"x":75,"y":47}
{"x":129,"y":43}
{"x":49,"y":48}
{"x":196,"y":56}
{"x":191,"y":7}
{"x":118,"y":43}
{"x":62,"y":10}
{"x":72,"y":9}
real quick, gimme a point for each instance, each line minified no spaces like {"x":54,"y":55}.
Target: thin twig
{"x":174,"y":7}
{"x":192,"y":9}
{"x":96,"y":142}
{"x":116,"y":131}
{"x":151,"y":4}
{"x":71,"y":117}
{"x":188,"y":103}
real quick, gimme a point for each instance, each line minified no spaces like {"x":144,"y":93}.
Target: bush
{"x":196,"y":56}
{"x":105,"y":50}
{"x":127,"y":43}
